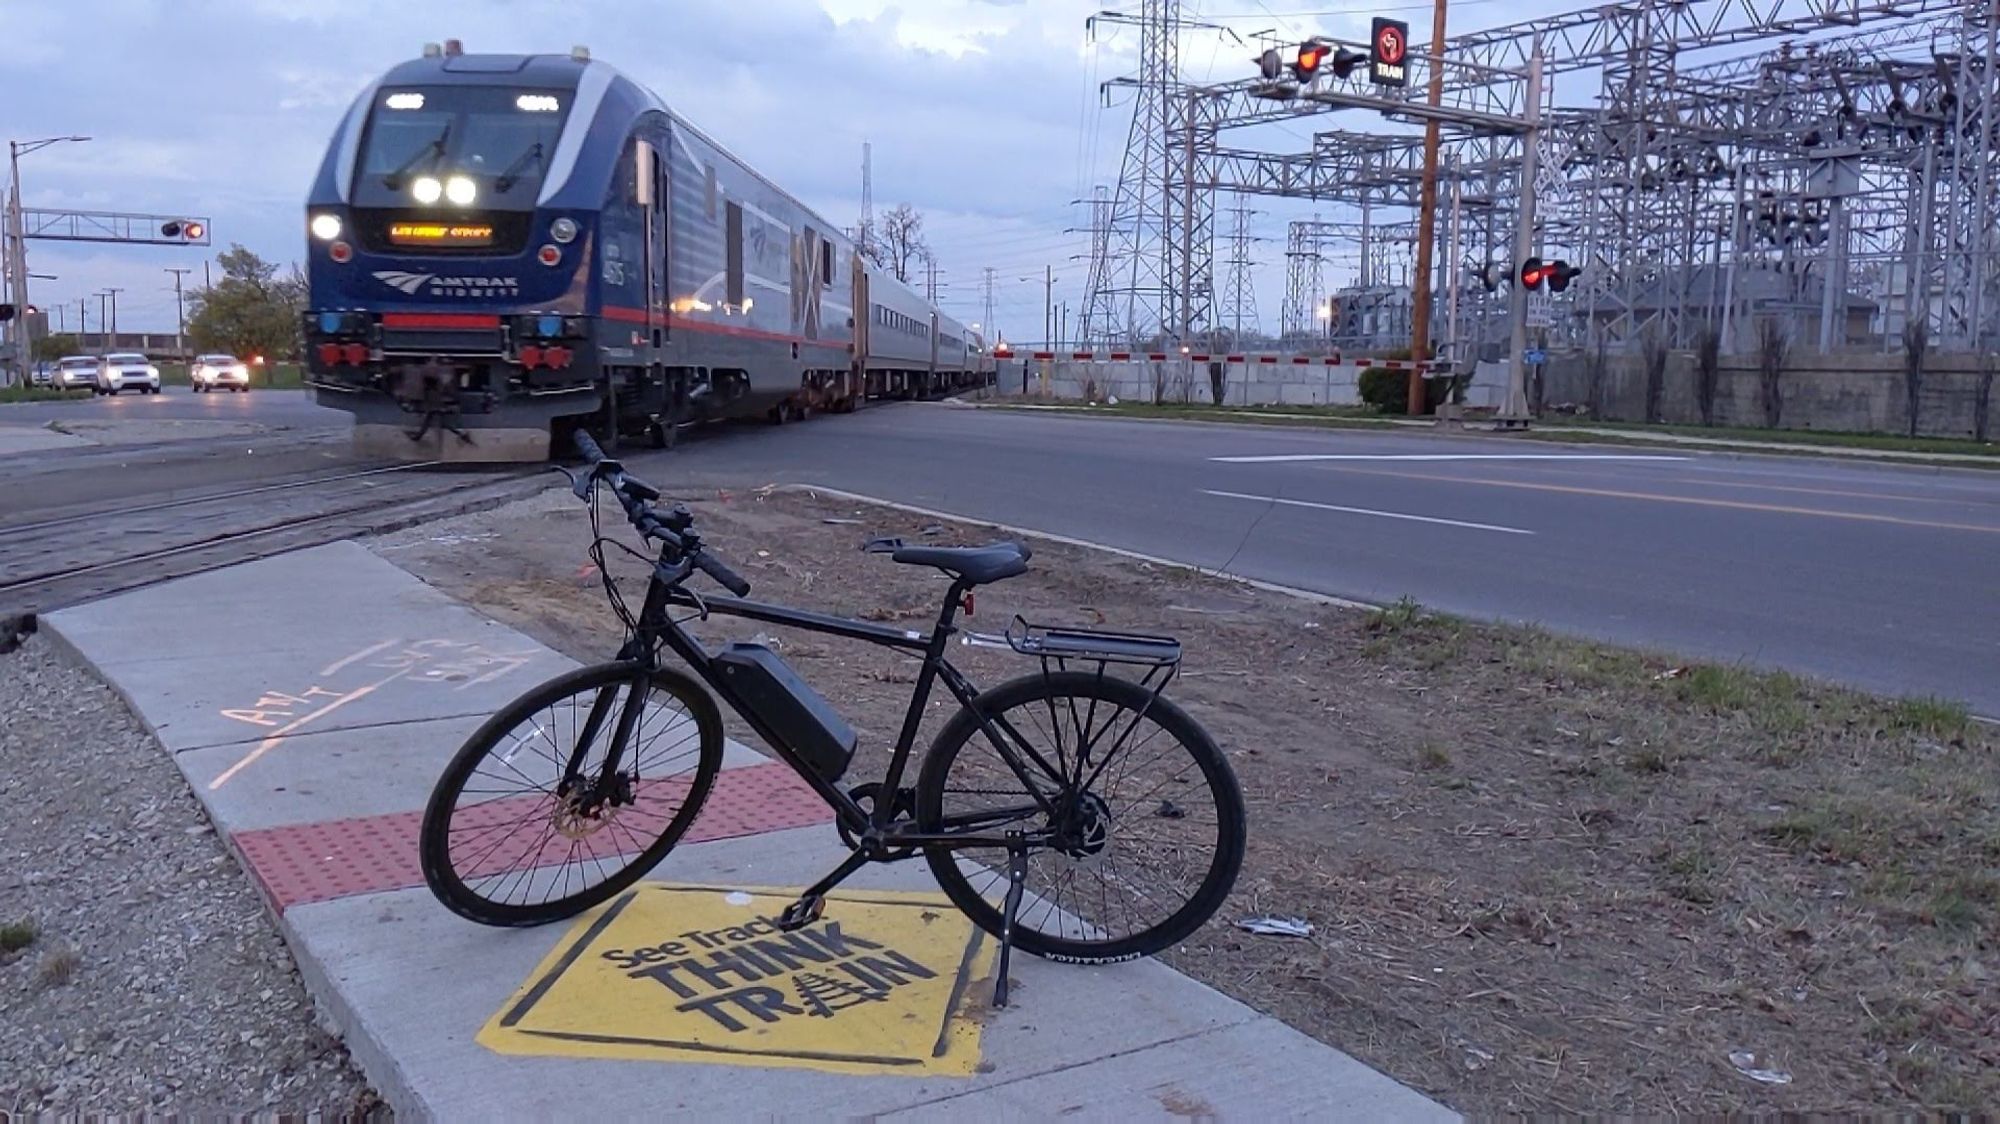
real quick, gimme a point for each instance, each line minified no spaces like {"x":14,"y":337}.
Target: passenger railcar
{"x":503,"y":246}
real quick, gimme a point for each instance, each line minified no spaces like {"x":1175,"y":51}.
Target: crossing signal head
{"x":1271,"y":65}
{"x":6,"y":312}
{"x":1533,"y":273}
{"x":1306,"y":67}
{"x":1560,"y":274}
{"x":189,"y":229}
{"x":1344,"y":62}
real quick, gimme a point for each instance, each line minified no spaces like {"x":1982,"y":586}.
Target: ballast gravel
{"x":139,"y":970}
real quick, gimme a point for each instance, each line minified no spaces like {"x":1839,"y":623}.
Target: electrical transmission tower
{"x":1154,"y":276}
{"x":1239,"y":301}
{"x":992,"y":332}
{"x":864,"y":231}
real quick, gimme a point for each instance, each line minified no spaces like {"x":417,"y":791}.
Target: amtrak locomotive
{"x":503,"y":247}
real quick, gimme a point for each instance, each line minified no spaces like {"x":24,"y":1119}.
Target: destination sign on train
{"x":440,"y":234}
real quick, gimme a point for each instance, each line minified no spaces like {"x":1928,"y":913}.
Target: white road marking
{"x":1370,"y":511}
{"x":1279,"y":458}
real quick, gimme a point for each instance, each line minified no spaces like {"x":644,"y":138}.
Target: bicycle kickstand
{"x":1017,"y":877}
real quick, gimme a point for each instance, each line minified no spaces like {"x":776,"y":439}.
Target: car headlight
{"x":152,"y":372}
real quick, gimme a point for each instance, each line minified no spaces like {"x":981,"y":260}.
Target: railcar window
{"x":733,"y":246}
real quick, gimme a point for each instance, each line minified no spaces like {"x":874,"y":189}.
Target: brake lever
{"x":575,"y":485}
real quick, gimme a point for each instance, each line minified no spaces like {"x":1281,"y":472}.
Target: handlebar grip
{"x":715,"y":568}
{"x":587,"y":445}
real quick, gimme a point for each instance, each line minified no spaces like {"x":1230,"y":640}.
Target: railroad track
{"x":51,"y":562}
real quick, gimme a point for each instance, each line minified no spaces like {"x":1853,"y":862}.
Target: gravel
{"x":156,"y":980}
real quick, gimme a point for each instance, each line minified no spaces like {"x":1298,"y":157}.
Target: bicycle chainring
{"x":904,"y":811}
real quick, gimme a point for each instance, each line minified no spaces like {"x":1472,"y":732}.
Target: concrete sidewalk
{"x":312,"y":699}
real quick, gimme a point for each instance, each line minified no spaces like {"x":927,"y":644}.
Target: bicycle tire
{"x":1224,"y":866}
{"x":434,"y":850}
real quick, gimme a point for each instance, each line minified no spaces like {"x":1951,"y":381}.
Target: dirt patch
{"x":1542,"y":874}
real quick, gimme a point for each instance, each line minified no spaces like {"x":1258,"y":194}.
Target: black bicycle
{"x":1111,"y":799}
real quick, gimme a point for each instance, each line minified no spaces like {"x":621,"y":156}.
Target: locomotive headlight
{"x":326,"y":228}
{"x":426,"y":189}
{"x":460,"y":190}
{"x":563,"y":230}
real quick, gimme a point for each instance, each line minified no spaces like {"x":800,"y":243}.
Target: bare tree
{"x":1599,"y":372}
{"x":1916,"y":341}
{"x":1708,"y":370}
{"x":1774,"y":345}
{"x":1656,"y":373}
{"x":1982,"y":403}
{"x":901,"y":241}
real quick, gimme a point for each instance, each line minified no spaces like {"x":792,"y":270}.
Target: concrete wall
{"x":1246,"y":384}
{"x":1853,"y":393}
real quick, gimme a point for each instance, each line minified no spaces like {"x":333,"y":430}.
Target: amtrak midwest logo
{"x":434,"y":285}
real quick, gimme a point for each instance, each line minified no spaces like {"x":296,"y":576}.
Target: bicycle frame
{"x":656,"y":627}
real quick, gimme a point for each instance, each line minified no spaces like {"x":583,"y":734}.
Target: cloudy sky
{"x":983,"y":114}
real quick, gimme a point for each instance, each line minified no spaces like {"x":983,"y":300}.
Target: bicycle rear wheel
{"x":527,"y":826}
{"x":1152,"y":847}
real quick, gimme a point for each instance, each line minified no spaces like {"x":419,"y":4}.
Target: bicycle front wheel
{"x":534,"y":821}
{"x":1152,"y":838}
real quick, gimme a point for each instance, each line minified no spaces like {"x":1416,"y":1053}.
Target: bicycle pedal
{"x":801,"y":913}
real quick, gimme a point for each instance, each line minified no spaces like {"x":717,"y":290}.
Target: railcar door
{"x":864,"y":318}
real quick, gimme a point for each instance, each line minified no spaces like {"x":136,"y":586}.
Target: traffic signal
{"x":1344,"y":62}
{"x":6,"y":312}
{"x":188,"y":229}
{"x":1533,"y":273}
{"x":1560,"y":274}
{"x":1306,"y":67}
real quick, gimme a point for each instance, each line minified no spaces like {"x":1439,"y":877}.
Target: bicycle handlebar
{"x":633,"y":494}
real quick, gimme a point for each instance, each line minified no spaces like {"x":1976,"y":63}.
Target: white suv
{"x":76,"y":372}
{"x":218,"y":372}
{"x":125,"y":370}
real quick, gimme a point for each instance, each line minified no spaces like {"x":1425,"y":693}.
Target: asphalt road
{"x":1884,"y":577}
{"x":177,"y":403}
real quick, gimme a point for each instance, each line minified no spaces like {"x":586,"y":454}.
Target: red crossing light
{"x":1310,"y":56}
{"x":1533,"y":273}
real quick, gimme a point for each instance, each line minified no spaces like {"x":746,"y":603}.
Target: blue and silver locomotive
{"x":505,"y":246}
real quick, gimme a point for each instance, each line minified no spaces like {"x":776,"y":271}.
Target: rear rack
{"x":1093,"y":644}
{"x":1055,"y":647}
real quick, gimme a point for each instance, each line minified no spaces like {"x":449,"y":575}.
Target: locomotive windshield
{"x":485,"y":147}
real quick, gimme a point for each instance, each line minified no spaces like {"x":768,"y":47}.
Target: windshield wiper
{"x":435,"y":150}
{"x":512,"y":175}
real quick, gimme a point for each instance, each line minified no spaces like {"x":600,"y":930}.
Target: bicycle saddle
{"x":975,"y":565}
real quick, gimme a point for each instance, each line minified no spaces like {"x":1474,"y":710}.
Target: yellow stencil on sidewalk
{"x":881,"y":983}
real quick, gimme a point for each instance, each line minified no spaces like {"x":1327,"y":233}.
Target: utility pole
{"x":990,"y":326}
{"x":180,"y":314}
{"x":1514,"y":412}
{"x":1048,"y":305}
{"x":114,"y":314}
{"x":83,"y":323}
{"x":1420,"y":307}
{"x":103,"y":321}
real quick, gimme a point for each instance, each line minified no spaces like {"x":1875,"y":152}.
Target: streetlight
{"x":16,"y":252}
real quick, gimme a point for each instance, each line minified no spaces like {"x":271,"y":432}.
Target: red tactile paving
{"x":368,"y":855}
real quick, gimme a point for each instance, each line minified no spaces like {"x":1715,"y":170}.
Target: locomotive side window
{"x":826,"y":262}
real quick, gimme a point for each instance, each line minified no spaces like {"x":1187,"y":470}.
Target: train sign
{"x":1388,"y":47}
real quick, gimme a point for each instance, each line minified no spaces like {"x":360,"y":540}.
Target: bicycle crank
{"x":903,"y":811}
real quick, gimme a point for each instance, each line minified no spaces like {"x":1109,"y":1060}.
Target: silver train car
{"x":504,"y":247}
